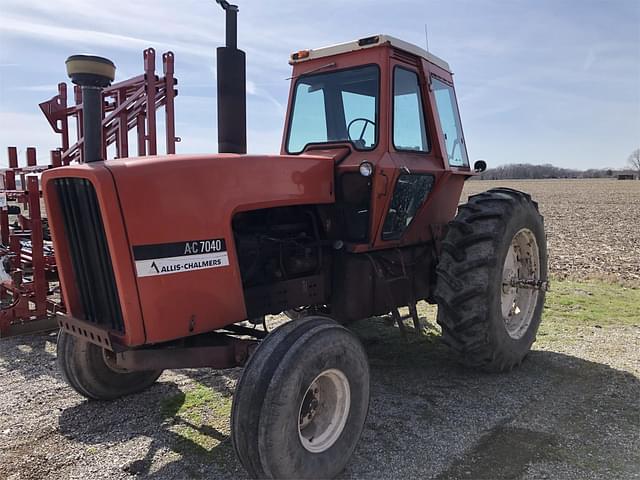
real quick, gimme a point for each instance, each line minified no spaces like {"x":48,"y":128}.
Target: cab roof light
{"x":300,"y":55}
{"x":368,"y":40}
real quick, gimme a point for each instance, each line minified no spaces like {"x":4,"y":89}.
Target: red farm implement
{"x":29,"y":288}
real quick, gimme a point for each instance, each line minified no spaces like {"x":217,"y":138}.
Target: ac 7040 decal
{"x":166,"y":258}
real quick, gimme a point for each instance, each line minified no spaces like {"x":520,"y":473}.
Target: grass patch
{"x":199,"y":420}
{"x":571,"y":307}
{"x":592,"y":303}
{"x":197,"y":403}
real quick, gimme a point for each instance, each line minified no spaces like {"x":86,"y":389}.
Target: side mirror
{"x":479,"y":166}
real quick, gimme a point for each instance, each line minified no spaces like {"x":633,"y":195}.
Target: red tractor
{"x":164,"y":258}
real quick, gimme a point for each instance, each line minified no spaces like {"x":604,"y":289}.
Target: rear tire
{"x":86,"y":368}
{"x":496,"y":238}
{"x":300,"y":406}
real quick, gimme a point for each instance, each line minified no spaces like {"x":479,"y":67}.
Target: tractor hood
{"x":200,"y":194}
{"x":151,"y":207}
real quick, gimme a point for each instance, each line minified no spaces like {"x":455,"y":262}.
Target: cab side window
{"x":450,"y":123}
{"x":409,"y":130}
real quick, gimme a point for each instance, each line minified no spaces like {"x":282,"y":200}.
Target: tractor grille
{"x":94,"y":279}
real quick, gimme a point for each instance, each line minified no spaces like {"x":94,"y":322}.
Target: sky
{"x":538,"y":81}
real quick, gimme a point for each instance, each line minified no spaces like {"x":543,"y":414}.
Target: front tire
{"x":492,"y":278}
{"x":300,"y":406}
{"x":87,"y":369}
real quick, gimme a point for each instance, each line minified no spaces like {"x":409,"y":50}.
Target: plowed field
{"x":593,"y":226}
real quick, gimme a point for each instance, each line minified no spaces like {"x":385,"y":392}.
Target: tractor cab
{"x":388,"y":110}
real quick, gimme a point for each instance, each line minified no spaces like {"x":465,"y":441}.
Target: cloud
{"x":67,"y":35}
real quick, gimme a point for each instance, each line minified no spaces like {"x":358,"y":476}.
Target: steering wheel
{"x":364,"y":128}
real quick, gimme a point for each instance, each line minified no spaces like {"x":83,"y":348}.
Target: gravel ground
{"x":592,"y":225}
{"x":572,"y":410}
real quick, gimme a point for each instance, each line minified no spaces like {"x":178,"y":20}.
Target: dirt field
{"x":593,"y":226}
{"x":572,"y":410}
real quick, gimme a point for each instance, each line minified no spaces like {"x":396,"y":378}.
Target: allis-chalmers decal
{"x":166,"y":258}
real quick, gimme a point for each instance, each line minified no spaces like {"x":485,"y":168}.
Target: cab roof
{"x":367,"y":42}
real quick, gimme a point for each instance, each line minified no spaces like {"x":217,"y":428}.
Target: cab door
{"x":415,"y":154}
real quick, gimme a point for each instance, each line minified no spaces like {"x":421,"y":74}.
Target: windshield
{"x":335,"y":106}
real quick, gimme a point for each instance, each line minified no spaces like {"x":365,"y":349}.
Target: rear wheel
{"x":300,"y":406}
{"x":91,"y":370}
{"x":492,"y":277}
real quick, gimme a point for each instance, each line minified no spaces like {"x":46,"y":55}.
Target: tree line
{"x":527,"y":171}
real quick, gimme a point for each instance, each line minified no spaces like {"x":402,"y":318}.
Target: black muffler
{"x":232,"y":94}
{"x":93,"y":74}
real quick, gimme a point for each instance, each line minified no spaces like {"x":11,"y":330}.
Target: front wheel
{"x":300,"y":406}
{"x":492,"y":278}
{"x":91,"y":371}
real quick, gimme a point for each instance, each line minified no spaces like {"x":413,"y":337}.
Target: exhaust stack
{"x":232,"y":96}
{"x":92,"y":74}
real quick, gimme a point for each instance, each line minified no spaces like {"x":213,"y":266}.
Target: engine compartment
{"x":278,"y":244}
{"x":283,"y":258}
{"x":290,"y":257}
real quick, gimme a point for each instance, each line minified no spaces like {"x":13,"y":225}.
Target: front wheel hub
{"x":324,"y":411}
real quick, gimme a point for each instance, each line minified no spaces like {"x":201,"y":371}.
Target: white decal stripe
{"x":185,"y":263}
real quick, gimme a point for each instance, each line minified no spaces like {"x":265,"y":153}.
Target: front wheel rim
{"x":324,"y":411}
{"x":520,"y":274}
{"x":110,"y":361}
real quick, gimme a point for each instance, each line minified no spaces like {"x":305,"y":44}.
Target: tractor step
{"x":413,"y":315}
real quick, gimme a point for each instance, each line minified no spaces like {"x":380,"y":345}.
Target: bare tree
{"x":634,"y":160}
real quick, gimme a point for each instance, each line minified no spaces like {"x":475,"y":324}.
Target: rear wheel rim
{"x":519,"y":301}
{"x":324,"y":411}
